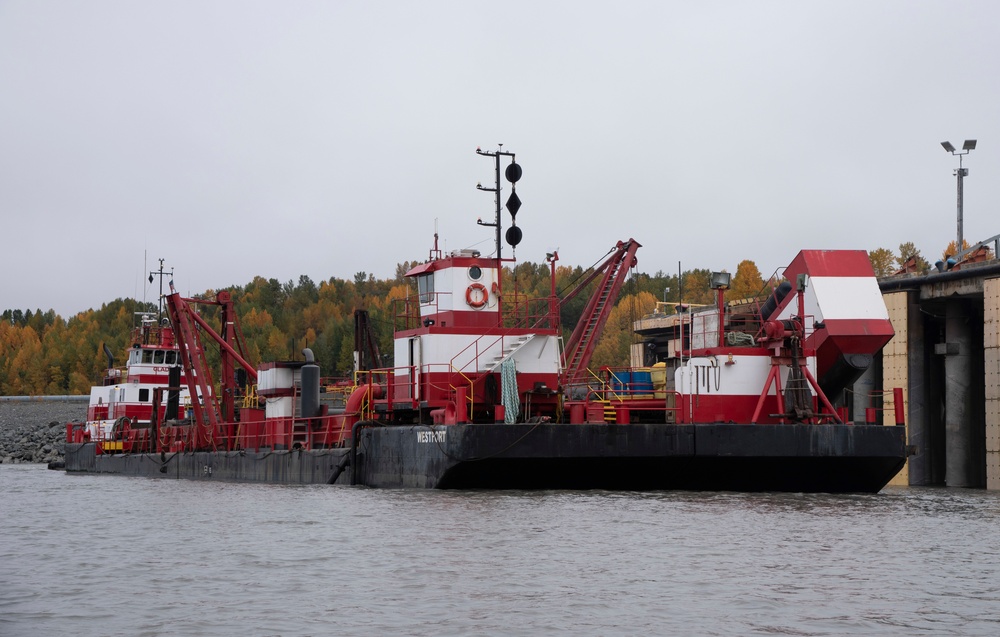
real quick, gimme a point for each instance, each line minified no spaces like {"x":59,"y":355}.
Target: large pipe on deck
{"x":773,"y":301}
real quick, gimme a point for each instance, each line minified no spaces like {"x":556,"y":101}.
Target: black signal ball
{"x":513,"y":173}
{"x":513,"y":235}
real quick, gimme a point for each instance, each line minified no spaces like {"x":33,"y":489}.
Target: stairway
{"x":511,"y":346}
{"x":610,"y":416}
{"x":595,"y":318}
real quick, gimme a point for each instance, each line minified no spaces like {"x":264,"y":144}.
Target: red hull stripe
{"x":733,"y":408}
{"x":150,"y":379}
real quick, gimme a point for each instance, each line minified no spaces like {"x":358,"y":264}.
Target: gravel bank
{"x":35,"y":431}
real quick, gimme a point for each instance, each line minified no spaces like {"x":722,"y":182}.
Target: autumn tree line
{"x":43,"y":354}
{"x":886,"y":263}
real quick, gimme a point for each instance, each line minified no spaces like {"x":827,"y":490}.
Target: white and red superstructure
{"x":459,"y":331}
{"x":125,"y":397}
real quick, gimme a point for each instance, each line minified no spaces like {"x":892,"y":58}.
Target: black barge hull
{"x":716,"y":457}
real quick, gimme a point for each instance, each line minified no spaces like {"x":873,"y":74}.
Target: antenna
{"x":161,"y":273}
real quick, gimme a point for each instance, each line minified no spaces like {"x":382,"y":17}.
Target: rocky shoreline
{"x":35,"y":431}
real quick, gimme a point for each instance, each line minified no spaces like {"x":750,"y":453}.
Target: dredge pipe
{"x":339,"y":469}
{"x":355,"y":430}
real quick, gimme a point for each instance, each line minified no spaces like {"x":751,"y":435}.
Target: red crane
{"x":211,"y":412}
{"x":580,"y":346}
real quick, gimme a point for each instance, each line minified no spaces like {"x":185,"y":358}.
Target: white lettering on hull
{"x":431,"y":436}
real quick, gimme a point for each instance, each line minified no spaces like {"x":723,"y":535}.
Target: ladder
{"x":580,"y":346}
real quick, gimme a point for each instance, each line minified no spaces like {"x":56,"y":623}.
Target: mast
{"x":161,"y":273}
{"x":513,"y":173}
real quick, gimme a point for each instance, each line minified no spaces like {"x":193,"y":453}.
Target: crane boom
{"x":580,"y":346}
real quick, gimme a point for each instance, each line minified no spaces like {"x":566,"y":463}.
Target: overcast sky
{"x":235,"y":139}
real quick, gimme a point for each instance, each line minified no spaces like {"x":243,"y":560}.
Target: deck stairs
{"x":510,"y":346}
{"x":610,"y":417}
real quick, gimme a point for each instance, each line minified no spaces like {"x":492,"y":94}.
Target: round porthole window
{"x":475,"y":273}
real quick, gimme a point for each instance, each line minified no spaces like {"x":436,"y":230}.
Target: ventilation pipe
{"x":111,"y":357}
{"x":310,"y":407}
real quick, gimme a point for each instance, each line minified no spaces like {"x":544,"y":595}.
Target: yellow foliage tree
{"x":950,"y":250}
{"x":746,"y":283}
{"x":613,"y":348}
{"x":883,"y":261}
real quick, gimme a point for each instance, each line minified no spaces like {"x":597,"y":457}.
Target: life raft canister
{"x":476,"y":301}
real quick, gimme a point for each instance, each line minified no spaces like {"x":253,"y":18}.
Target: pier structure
{"x":946,"y":356}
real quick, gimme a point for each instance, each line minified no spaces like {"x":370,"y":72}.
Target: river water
{"x":111,"y":555}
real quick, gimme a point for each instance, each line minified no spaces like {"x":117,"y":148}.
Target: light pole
{"x":720,"y":282}
{"x":960,"y":174}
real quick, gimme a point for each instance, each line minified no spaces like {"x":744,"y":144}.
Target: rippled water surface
{"x":110,"y":555}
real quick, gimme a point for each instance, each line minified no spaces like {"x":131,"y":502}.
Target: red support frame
{"x":210,"y":412}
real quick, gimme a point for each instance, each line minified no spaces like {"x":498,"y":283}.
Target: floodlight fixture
{"x":719,"y":280}
{"x":960,"y":174}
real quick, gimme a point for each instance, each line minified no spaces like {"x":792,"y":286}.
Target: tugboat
{"x":483,"y":392}
{"x":124,"y":399}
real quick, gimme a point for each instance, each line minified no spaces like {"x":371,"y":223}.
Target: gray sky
{"x":236,"y":139}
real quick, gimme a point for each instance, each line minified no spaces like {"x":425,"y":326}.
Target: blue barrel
{"x":642,"y":383}
{"x":620,"y":381}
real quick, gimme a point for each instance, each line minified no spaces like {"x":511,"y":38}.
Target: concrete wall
{"x":991,"y":353}
{"x":895,"y":361}
{"x":951,"y":396}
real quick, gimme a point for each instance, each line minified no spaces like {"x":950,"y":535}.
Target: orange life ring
{"x":483,"y":295}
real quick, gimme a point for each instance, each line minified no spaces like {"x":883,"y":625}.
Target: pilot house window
{"x":425,"y":287}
